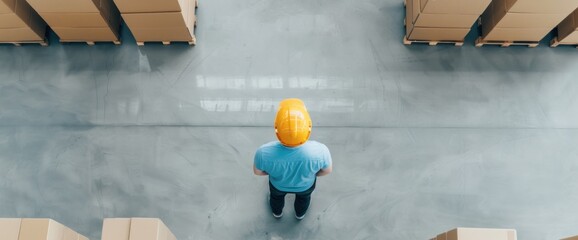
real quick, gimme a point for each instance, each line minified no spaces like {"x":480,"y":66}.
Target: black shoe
{"x":298,"y":217}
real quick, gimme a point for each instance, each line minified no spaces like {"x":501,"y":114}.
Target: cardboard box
{"x":102,"y":12}
{"x":19,"y":35}
{"x":515,"y":34}
{"x":86,"y":34}
{"x":65,"y":6}
{"x":438,"y":34}
{"x":21,"y":15}
{"x":92,"y":27}
{"x":412,"y":10}
{"x":523,"y":20}
{"x":571,"y":38}
{"x":10,"y":228}
{"x":69,"y":234}
{"x":170,"y":235}
{"x":35,"y":29}
{"x":172,"y":26}
{"x":445,"y":20}
{"x":149,"y":6}
{"x":571,"y":238}
{"x":7,"y":6}
{"x":116,"y":229}
{"x":75,"y":20}
{"x":441,"y":236}
{"x":11,"y":20}
{"x":498,"y":15}
{"x":466,"y":7}
{"x":499,"y":24}
{"x":80,"y":237}
{"x":156,"y":20}
{"x":162,"y":35}
{"x":41,"y":229}
{"x":18,"y":15}
{"x":567,"y":28}
{"x":534,"y":6}
{"x":481,"y":234}
{"x":147,"y":229}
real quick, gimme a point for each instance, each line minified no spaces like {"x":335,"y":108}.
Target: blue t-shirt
{"x":292,"y":169}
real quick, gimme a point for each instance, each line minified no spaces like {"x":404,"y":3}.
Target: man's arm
{"x":325,"y":171}
{"x":259,"y":172}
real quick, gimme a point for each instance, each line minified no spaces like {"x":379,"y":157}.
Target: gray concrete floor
{"x":424,"y":139}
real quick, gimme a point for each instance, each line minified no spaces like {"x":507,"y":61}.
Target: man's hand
{"x":259,"y":172}
{"x":325,"y":171}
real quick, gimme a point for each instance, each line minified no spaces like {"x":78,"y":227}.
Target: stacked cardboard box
{"x":523,"y":20}
{"x":81,"y":20}
{"x":442,"y":19}
{"x":135,"y":229}
{"x":478,"y":234}
{"x":36,"y":229}
{"x":160,"y":20}
{"x":20,"y":23}
{"x":571,"y":238}
{"x":568,"y":30}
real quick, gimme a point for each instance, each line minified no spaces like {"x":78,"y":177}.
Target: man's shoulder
{"x":317,"y":145}
{"x":269,"y":145}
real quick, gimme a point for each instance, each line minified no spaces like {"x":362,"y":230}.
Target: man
{"x":292,"y":163}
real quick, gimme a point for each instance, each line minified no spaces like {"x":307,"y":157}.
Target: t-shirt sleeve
{"x":258,"y":160}
{"x":327,"y":161}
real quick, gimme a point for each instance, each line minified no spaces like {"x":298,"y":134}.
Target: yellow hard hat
{"x":292,"y":124}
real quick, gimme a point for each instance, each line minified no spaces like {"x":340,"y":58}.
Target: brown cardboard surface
{"x":145,"y":229}
{"x":65,"y":6}
{"x":500,"y":25}
{"x":162,"y":34}
{"x":159,"y":20}
{"x":19,"y":35}
{"x":10,"y":228}
{"x":549,"y":6}
{"x":175,"y":26}
{"x":7,"y":6}
{"x":412,"y":8}
{"x":45,"y":229}
{"x":487,"y":18}
{"x":86,"y":34}
{"x":116,"y":229}
{"x":516,"y":34}
{"x":163,"y":231}
{"x":445,"y":20}
{"x":568,"y":26}
{"x":69,"y":234}
{"x":155,"y":20}
{"x":441,"y":236}
{"x":11,"y":20}
{"x":18,"y":17}
{"x":466,"y":7}
{"x":525,"y":20}
{"x":438,"y":34}
{"x":22,"y":34}
{"x":571,"y":238}
{"x":75,"y":20}
{"x":80,"y":237}
{"x":149,"y":6}
{"x":570,"y":38}
{"x":170,"y":235}
{"x":481,"y":234}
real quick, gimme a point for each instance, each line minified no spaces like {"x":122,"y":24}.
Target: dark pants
{"x":302,"y":200}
